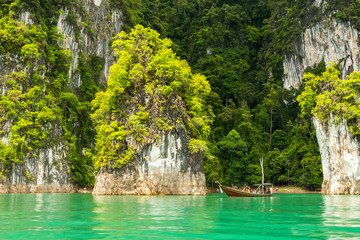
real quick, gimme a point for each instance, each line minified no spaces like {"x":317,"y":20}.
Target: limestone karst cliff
{"x":48,"y":83}
{"x":90,"y":40}
{"x":43,"y":163}
{"x":331,"y":41}
{"x":55,"y":59}
{"x":340,"y":157}
{"x":165,"y":166}
{"x":149,"y":121}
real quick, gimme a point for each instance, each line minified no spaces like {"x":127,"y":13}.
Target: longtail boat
{"x":259,"y":192}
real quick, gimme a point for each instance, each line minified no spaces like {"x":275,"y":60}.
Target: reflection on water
{"x":342,"y":215}
{"x":216,"y":216}
{"x":158,"y":215}
{"x":45,"y":216}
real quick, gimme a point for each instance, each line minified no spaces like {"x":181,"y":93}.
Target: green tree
{"x":271,"y":101}
{"x":328,"y":94}
{"x":234,"y":158}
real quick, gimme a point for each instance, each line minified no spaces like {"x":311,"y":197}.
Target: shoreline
{"x":295,"y":190}
{"x":282,"y":190}
{"x":74,"y":189}
{"x":43,"y":188}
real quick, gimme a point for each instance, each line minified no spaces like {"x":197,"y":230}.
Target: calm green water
{"x":83,"y":216}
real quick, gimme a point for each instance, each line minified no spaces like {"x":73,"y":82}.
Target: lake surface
{"x":83,"y":216}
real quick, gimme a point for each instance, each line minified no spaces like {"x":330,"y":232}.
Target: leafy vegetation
{"x":38,"y":109}
{"x":239,"y":47}
{"x":345,"y":11}
{"x":236,"y":47}
{"x":328,"y":94}
{"x":147,"y":67}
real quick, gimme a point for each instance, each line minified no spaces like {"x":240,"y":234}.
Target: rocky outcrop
{"x":164,"y":167}
{"x":329,"y":40}
{"x":332,"y":41}
{"x":151,"y":140}
{"x":48,"y":172}
{"x":318,"y":3}
{"x":340,"y":157}
{"x":93,"y":39}
{"x":48,"y":169}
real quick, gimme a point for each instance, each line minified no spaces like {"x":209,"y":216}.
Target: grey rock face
{"x":318,"y":3}
{"x":328,"y":40}
{"x":164,"y":167}
{"x":93,"y":39}
{"x":331,"y":41}
{"x":49,"y":170}
{"x":339,"y":156}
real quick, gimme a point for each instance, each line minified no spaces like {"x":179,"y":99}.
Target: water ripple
{"x":83,"y":216}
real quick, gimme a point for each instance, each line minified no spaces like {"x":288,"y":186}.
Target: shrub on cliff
{"x":150,"y":91}
{"x":328,"y":93}
{"x":38,"y":109}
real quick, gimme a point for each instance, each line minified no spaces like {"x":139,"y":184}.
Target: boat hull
{"x":232,"y":192}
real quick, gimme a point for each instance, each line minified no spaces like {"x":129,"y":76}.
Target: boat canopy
{"x":264,"y":184}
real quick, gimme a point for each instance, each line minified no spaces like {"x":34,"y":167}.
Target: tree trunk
{"x":262,"y":171}
{"x":271,"y":113}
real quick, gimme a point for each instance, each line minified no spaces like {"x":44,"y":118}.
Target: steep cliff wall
{"x":340,"y":157}
{"x":92,"y":39}
{"x":150,"y":122}
{"x":329,"y":40}
{"x":162,"y":167}
{"x":332,"y":41}
{"x":41,"y":108}
{"x":47,"y":172}
{"x":47,"y":167}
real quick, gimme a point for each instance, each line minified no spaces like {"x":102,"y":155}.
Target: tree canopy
{"x":221,"y":61}
{"x":147,"y":68}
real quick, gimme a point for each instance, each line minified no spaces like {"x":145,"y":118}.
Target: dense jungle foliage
{"x":148,"y":69}
{"x":237,"y":45}
{"x":40,"y":110}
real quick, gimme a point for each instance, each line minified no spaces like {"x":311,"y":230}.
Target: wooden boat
{"x":233,"y":192}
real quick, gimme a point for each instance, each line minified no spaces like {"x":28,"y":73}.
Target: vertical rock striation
{"x":150,"y":136}
{"x":332,"y":41}
{"x":93,"y":39}
{"x":48,"y":172}
{"x":163,"y":167}
{"x":49,"y":169}
{"x":340,"y":157}
{"x":329,"y":40}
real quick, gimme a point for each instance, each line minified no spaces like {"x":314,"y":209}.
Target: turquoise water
{"x":83,"y":216}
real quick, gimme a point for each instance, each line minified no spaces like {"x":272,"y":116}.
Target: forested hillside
{"x":238,"y":46}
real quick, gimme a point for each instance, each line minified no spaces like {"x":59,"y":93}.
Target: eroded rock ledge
{"x":35,"y":188}
{"x":164,"y":167}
